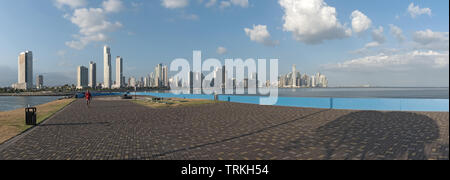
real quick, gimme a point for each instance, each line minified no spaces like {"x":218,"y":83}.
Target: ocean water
{"x":15,"y":102}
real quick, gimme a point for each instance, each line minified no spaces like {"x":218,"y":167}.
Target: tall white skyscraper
{"x":82,"y":77}
{"x":119,"y":72}
{"x":107,"y":67}
{"x":25,"y":71}
{"x":165,"y":75}
{"x":294,"y":76}
{"x":158,"y":75}
{"x":132,"y":82}
{"x":92,"y":74}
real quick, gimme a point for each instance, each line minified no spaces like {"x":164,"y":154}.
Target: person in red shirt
{"x":88,"y":97}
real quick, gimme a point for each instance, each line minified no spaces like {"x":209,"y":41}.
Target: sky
{"x":380,"y":43}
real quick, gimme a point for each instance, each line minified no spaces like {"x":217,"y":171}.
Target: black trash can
{"x":30,"y":116}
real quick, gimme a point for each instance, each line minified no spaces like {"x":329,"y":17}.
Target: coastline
{"x":12,"y":123}
{"x":232,"y":131}
{"x":36,"y":94}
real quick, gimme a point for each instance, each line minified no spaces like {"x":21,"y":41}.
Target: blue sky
{"x":354,"y":42}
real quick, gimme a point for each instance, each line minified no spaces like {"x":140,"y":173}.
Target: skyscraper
{"x":158,"y":75}
{"x":294,"y":76}
{"x":25,"y":71}
{"x":224,"y":78}
{"x":107,"y":67}
{"x":165,"y":76}
{"x":82,"y":77}
{"x":39,"y":82}
{"x":92,"y":74}
{"x":119,"y":72}
{"x":132,"y":82}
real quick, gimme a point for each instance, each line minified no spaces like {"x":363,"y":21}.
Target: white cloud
{"x":225,"y":4}
{"x":260,"y":34}
{"x":174,"y":4}
{"x":312,"y":21}
{"x":395,"y":62}
{"x":93,"y":24}
{"x":211,"y":3}
{"x":242,"y":3}
{"x":372,"y":44}
{"x":83,"y":41}
{"x":113,"y":5}
{"x":378,"y":35}
{"x":397,"y":33}
{"x":229,"y":3}
{"x":415,"y":11}
{"x":221,"y":50}
{"x":360,"y":22}
{"x":378,"y":39}
{"x":92,"y":21}
{"x":70,"y":3}
{"x":428,"y":36}
{"x":431,"y":40}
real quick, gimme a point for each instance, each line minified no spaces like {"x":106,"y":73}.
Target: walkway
{"x":114,"y":129}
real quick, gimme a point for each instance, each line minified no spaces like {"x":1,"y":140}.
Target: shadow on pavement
{"x":378,"y":135}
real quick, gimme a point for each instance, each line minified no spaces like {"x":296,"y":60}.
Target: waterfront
{"x":285,"y":94}
{"x":8,"y":103}
{"x":385,"y":92}
{"x":115,"y":129}
{"x":413,"y":93}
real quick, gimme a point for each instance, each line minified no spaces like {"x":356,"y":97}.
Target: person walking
{"x":88,"y":97}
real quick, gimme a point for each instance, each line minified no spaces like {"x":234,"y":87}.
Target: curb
{"x":14,"y":139}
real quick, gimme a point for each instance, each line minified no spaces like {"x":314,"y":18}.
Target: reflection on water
{"x":15,"y":102}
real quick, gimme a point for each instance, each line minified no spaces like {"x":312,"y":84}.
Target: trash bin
{"x":30,"y":116}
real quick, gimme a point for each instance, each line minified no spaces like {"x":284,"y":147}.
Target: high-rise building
{"x":152,"y":79}
{"x":322,"y":81}
{"x":217,"y":77}
{"x":25,"y":71}
{"x":107,"y":67}
{"x":82,"y":77}
{"x":119,"y":72}
{"x":224,"y":78}
{"x":146,"y":82}
{"x":132,"y":82}
{"x":294,"y":76}
{"x":92,"y":74}
{"x":165,"y":76}
{"x":141,"y":82}
{"x":158,"y":75}
{"x":39,"y":82}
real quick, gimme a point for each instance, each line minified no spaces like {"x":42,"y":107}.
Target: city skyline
{"x":405,"y":44}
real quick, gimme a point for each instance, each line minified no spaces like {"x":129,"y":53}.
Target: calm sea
{"x":14,"y":102}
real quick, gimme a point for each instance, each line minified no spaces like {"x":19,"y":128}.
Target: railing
{"x":81,"y":95}
{"x":378,"y":104}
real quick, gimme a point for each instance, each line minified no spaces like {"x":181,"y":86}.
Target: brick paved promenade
{"x":124,"y":130}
